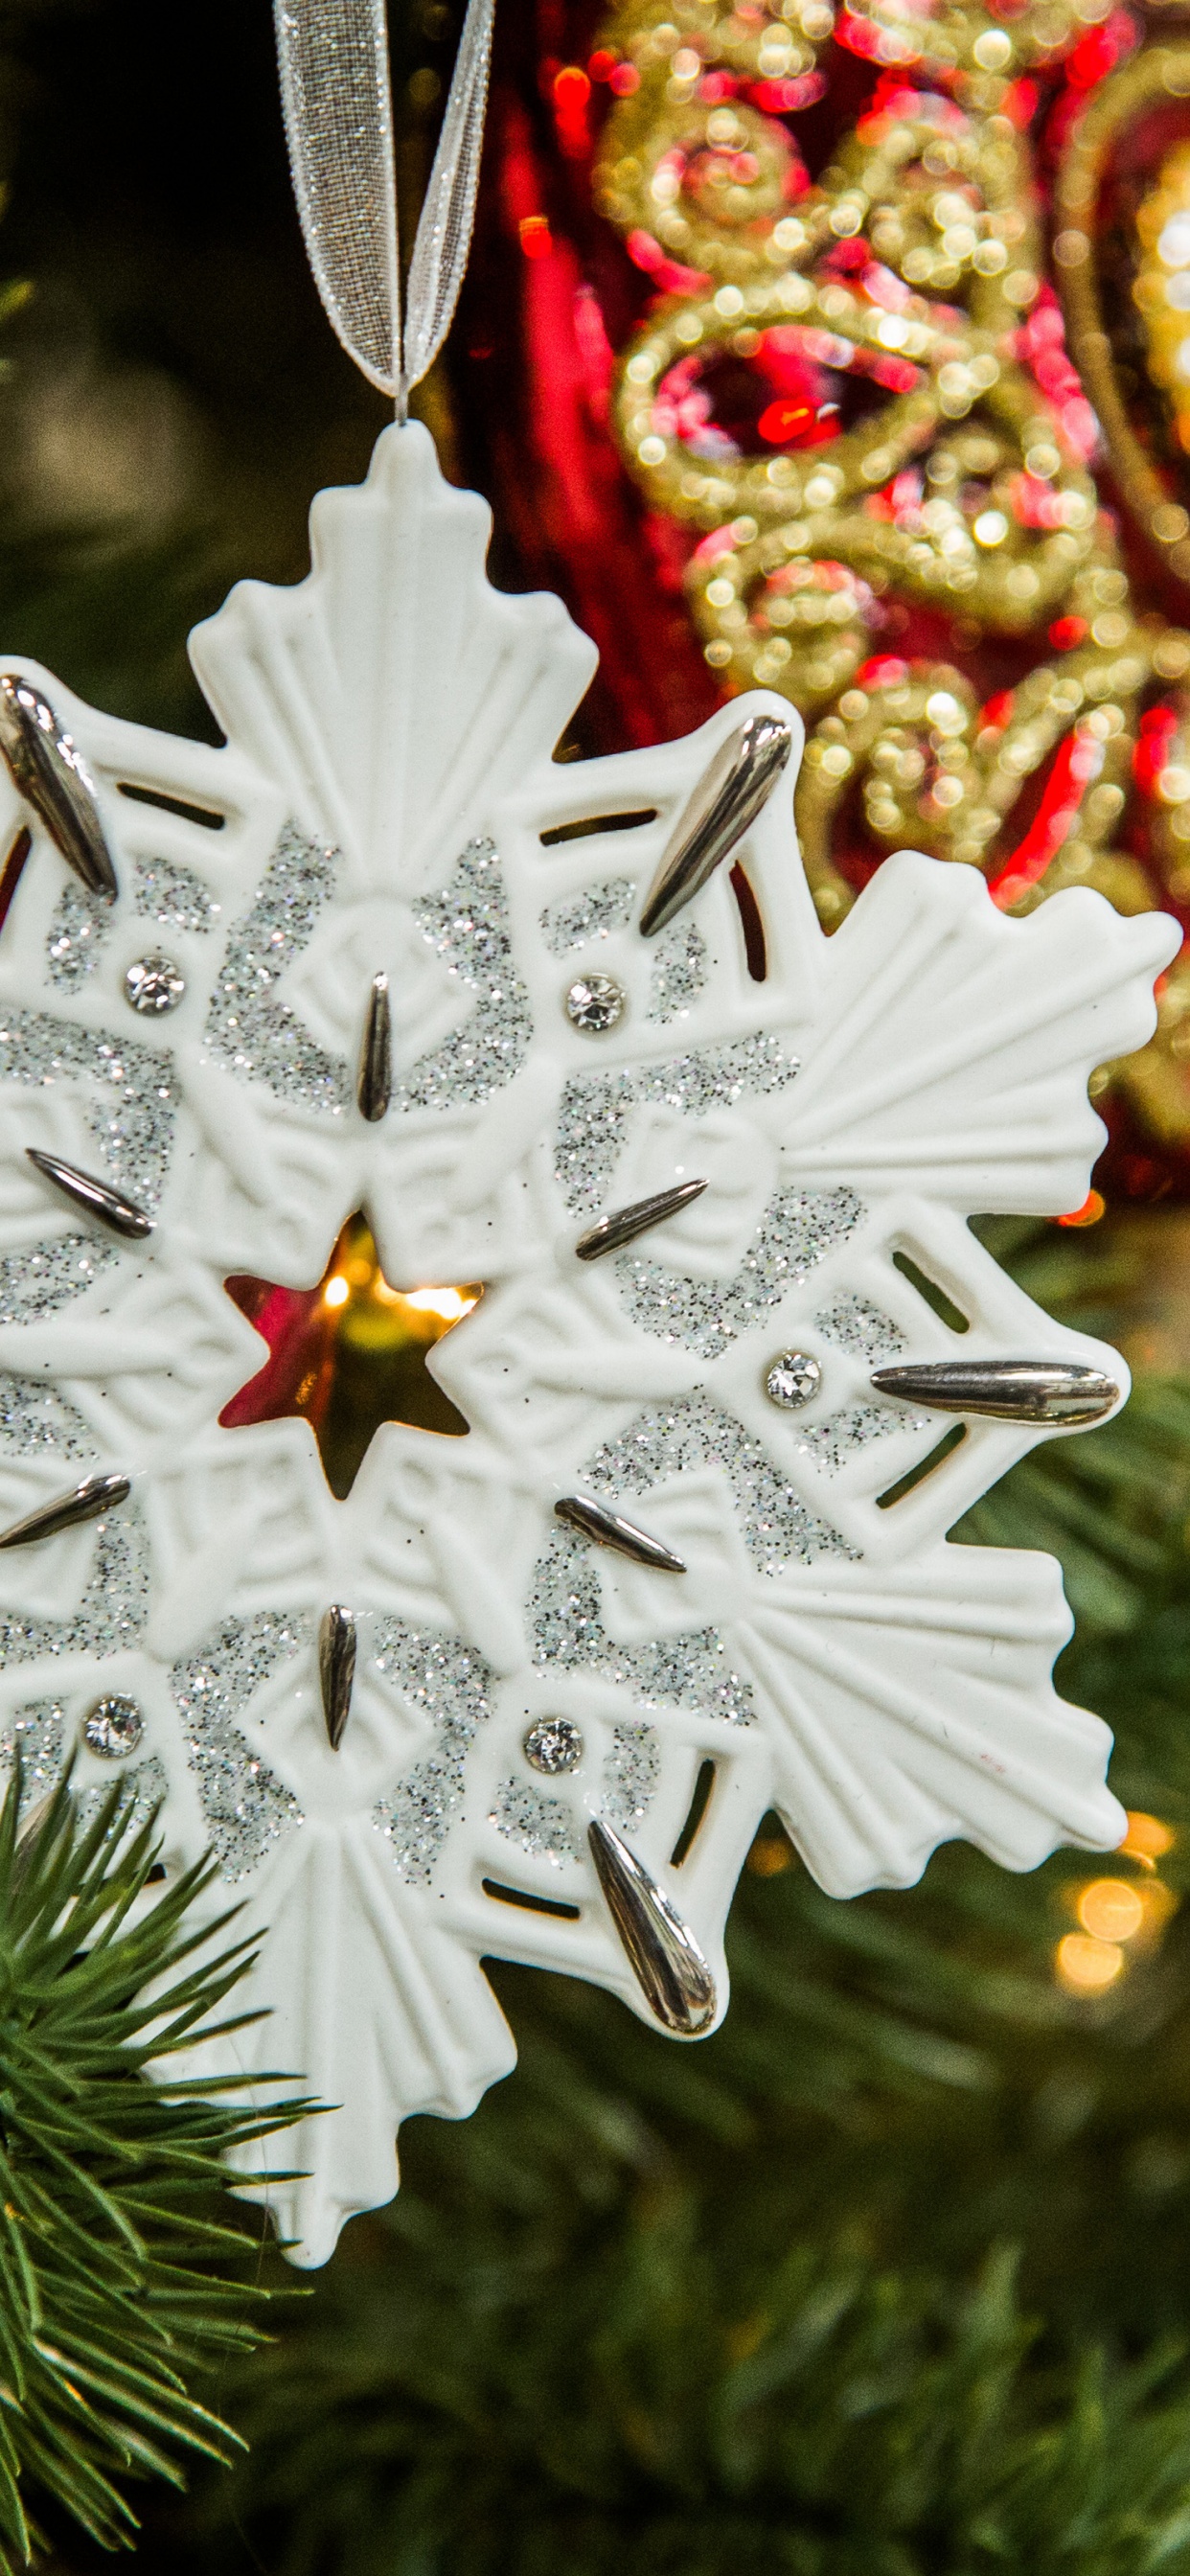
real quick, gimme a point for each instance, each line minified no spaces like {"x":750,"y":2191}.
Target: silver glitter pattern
{"x":593,"y":1116}
{"x":467,"y":925}
{"x":79,"y":926}
{"x":246,"y":1808}
{"x":35,"y":1733}
{"x":589,"y":915}
{"x":592,"y":1133}
{"x":678,"y":972}
{"x":37,"y":1283}
{"x":33,"y":1416}
{"x":143,"y":1788}
{"x":566,"y":1613}
{"x":112,"y":1609}
{"x":831,"y":1443}
{"x":855,"y":1324}
{"x":668,"y":1440}
{"x":166,"y":892}
{"x":447,"y":1682}
{"x":130,"y":1111}
{"x":630,"y":1774}
{"x":541,"y":1826}
{"x":798,"y":1228}
{"x":248,"y":1024}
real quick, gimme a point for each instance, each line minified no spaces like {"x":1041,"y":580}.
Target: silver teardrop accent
{"x":1011,"y":1390}
{"x":98,"y":1494}
{"x":624,"y":1224}
{"x":610,"y":1530}
{"x":92,"y":1195}
{"x":336,"y":1670}
{"x":725,"y":803}
{"x":374,"y":1081}
{"x":48,"y":770}
{"x":664,"y":1956}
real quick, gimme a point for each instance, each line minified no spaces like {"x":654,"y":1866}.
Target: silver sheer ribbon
{"x":333,"y":57}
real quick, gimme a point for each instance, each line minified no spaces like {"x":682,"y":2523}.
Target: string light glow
{"x":1114,"y":1912}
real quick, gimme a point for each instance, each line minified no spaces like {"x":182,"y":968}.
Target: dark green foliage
{"x":120,"y":2274}
{"x":892,"y":2276}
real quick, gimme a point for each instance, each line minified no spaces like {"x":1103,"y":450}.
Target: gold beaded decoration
{"x":1152,"y":81}
{"x":1162,"y":288}
{"x":902,"y":296}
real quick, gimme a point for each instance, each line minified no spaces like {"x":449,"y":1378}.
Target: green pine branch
{"x":122,"y":2280}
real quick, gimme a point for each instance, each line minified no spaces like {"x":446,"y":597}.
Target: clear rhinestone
{"x":154,"y":984}
{"x":792,"y":1380}
{"x":554,"y":1744}
{"x":114,"y":1728}
{"x":595,"y":1003}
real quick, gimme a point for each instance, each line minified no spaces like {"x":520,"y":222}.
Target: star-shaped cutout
{"x":348,"y":1354}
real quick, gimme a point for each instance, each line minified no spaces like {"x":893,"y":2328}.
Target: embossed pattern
{"x":823,"y":1653}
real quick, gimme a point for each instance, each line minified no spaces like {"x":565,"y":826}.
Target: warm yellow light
{"x":1147,"y":1839}
{"x":770,"y":1854}
{"x":350,"y":1353}
{"x":449,"y":1304}
{"x":1111,"y":1909}
{"x":1087,"y":1966}
{"x":1159,"y":1902}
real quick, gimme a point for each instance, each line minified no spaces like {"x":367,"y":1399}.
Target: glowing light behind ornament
{"x":336,"y":96}
{"x":348,"y":1354}
{"x":1111,"y":1912}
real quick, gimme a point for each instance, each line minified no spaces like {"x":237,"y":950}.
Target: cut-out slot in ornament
{"x":187,"y":812}
{"x":13,"y":870}
{"x":528,"y":1902}
{"x":927,"y":1466}
{"x":349,"y":1354}
{"x":589,"y":824}
{"x":695,"y":1814}
{"x":751,"y":923}
{"x":937,"y":1298}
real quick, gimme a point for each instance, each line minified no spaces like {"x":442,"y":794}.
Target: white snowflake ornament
{"x":671,"y":1230}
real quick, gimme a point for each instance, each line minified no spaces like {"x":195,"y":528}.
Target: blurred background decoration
{"x":775,"y":358}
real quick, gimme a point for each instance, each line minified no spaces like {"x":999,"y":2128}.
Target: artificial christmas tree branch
{"x":120,"y":2281}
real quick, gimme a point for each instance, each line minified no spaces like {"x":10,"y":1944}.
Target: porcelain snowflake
{"x":693,"y":1194}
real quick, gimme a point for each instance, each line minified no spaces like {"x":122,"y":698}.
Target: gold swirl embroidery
{"x":905,"y":286}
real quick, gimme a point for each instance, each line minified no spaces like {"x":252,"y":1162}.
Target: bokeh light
{"x":1088,"y":1966}
{"x":1111,"y":1909}
{"x":1147,"y":1839}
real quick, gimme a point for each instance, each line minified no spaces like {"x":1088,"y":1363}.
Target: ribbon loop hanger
{"x":337,"y":99}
